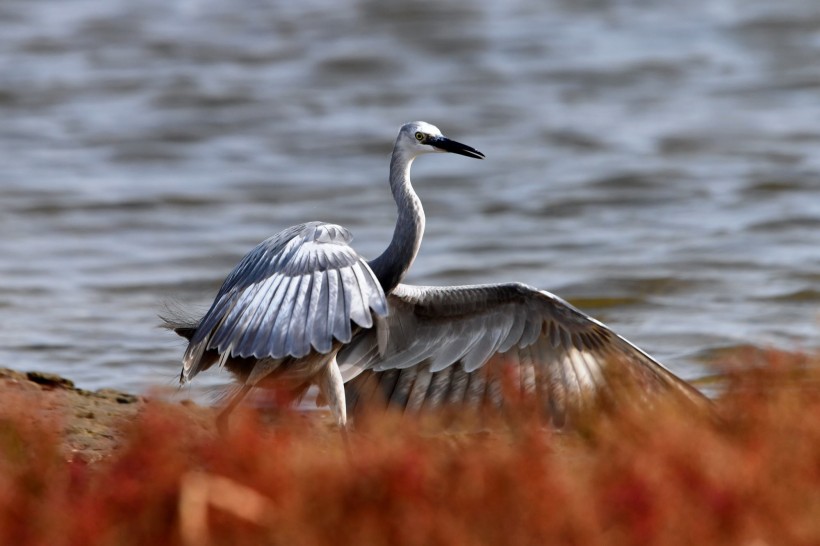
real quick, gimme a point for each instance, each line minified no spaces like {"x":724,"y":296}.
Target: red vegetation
{"x":750,"y":475}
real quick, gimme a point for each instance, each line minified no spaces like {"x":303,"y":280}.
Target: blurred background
{"x":655,"y":163}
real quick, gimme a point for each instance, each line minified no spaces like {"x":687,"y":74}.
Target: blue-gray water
{"x":658,"y":165}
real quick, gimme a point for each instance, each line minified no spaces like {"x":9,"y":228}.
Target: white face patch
{"x":425,"y":128}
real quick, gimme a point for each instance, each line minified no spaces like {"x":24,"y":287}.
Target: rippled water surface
{"x":658,"y":166}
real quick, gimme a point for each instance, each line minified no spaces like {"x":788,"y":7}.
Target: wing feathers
{"x":439,"y":387}
{"x":283,"y":317}
{"x":267,"y":327}
{"x":297,"y":339}
{"x":527,"y":372}
{"x":401,"y":392}
{"x":257,"y":317}
{"x":418,"y":393}
{"x":475,"y":390}
{"x":295,"y":292}
{"x":341,"y":316}
{"x":316,"y":322}
{"x":480,"y":351}
{"x":388,"y":382}
{"x":519,"y":321}
{"x":459,"y":381}
{"x":451,"y":345}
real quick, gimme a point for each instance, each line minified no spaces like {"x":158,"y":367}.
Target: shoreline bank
{"x":88,"y":422}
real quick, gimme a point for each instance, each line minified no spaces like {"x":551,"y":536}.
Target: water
{"x":658,"y":165}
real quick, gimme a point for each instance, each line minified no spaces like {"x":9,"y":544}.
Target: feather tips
{"x":293,"y":293}
{"x":443,"y":342}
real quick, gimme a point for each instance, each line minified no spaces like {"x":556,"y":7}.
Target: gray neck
{"x":391,"y":266}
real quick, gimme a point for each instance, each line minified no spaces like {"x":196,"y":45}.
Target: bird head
{"x":419,"y":137}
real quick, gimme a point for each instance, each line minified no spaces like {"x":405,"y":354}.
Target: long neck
{"x":391,"y":266}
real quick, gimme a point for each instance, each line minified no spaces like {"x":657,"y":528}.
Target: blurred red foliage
{"x":748,"y":475}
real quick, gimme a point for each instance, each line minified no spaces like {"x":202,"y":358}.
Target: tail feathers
{"x":181,"y":323}
{"x":183,"y":329}
{"x":184,"y":324}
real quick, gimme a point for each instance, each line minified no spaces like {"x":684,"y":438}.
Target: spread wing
{"x":299,"y":289}
{"x":445,"y":345}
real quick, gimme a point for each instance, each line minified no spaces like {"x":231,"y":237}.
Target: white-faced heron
{"x":304,"y":308}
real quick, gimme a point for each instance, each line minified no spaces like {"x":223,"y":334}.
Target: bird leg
{"x":333,"y":389}
{"x":224,"y":413}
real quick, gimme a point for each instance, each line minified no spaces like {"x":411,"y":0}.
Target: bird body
{"x":304,"y":308}
{"x":286,"y":309}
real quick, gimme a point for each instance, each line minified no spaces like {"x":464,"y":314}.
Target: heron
{"x":304,"y":308}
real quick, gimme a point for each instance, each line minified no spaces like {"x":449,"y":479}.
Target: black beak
{"x":447,"y":145}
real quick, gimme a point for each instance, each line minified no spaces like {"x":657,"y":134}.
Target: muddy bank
{"x":89,"y":422}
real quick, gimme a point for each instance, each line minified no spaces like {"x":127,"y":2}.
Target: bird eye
{"x":420,"y":136}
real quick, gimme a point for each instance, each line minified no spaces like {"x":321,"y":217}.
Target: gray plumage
{"x":448,"y":345}
{"x":293,"y":293}
{"x":304,"y":308}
